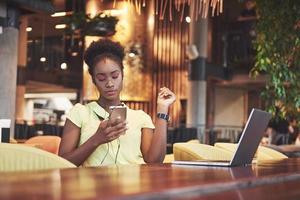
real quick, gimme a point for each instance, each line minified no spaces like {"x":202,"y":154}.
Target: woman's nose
{"x":109,"y":84}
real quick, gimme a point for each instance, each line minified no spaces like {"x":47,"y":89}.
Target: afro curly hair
{"x":101,"y":49}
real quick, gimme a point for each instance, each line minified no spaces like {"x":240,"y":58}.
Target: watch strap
{"x":163,"y":116}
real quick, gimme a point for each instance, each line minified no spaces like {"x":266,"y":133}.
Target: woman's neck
{"x":104,"y":103}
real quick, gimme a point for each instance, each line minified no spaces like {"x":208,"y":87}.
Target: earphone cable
{"x":118,"y":150}
{"x":105,"y":154}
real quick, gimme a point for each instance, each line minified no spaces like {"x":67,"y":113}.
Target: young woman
{"x":90,"y":138}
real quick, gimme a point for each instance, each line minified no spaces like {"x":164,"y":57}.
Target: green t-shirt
{"x":86,"y":118}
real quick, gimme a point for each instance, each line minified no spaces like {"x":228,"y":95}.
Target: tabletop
{"x":155,"y":181}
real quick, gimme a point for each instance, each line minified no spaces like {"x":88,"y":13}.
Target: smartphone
{"x":118,"y":112}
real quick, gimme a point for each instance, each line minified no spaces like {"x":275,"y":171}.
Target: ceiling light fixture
{"x":188,"y":19}
{"x":60,"y":26}
{"x":74,"y":53}
{"x":28,"y":29}
{"x":64,"y":66}
{"x":59,"y":14}
{"x":62,"y":14}
{"x":43,"y":59}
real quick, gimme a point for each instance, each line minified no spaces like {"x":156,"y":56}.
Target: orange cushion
{"x":46,"y":142}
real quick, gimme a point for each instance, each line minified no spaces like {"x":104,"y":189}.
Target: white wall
{"x":28,"y":113}
{"x":229,"y":107}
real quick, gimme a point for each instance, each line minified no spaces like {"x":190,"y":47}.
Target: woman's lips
{"x":110,"y":92}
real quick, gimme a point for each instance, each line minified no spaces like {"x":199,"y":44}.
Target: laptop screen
{"x":251,"y":136}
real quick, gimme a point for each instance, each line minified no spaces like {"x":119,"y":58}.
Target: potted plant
{"x":278,"y":55}
{"x":99,"y":25}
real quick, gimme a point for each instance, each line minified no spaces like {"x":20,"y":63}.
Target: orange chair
{"x":46,"y":142}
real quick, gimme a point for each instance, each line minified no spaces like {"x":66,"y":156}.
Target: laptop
{"x":248,"y":143}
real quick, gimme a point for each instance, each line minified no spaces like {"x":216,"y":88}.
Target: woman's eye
{"x":115,"y":76}
{"x":101,"y":78}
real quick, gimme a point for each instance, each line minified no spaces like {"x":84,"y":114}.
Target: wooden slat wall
{"x":169,"y":62}
{"x":138,"y":105}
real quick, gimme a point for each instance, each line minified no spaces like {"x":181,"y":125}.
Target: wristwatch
{"x":163,"y":116}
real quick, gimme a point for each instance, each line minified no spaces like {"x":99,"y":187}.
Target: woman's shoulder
{"x":82,"y":109}
{"x":79,"y":106}
{"x":77,"y":114}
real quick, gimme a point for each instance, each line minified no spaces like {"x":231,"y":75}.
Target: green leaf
{"x":278,"y":54}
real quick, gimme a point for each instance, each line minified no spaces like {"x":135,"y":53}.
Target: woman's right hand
{"x":110,"y":130}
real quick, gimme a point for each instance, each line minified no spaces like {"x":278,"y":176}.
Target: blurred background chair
{"x":263,"y":153}
{"x":168,"y":158}
{"x":195,"y":141}
{"x":230,"y":147}
{"x":266,"y":153}
{"x":17,"y":157}
{"x":48,"y":143}
{"x":12,"y":140}
{"x":196,"y":151}
{"x":180,"y":134}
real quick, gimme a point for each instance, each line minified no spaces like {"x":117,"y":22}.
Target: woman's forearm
{"x":80,"y":154}
{"x":157,"y":150}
